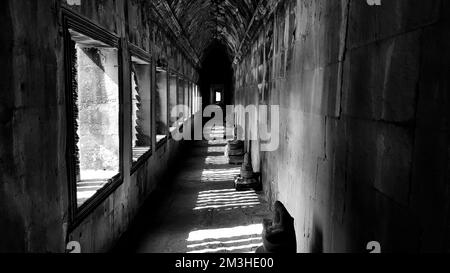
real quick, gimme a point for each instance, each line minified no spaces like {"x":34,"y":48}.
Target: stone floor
{"x":203,"y":213}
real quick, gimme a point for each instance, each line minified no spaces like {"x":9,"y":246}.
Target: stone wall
{"x":32,"y":164}
{"x":34,"y":197}
{"x":364,"y":102}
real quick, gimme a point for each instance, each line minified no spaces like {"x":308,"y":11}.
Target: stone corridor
{"x":202,"y":213}
{"x":340,"y":110}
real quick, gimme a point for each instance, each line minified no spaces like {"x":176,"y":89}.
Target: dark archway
{"x":216,"y":71}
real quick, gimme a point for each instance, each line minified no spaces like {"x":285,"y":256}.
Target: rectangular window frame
{"x":145,"y":56}
{"x":84,"y":26}
{"x":173,"y":75}
{"x":163,"y":141}
{"x":187,"y":101}
{"x":181,"y":99}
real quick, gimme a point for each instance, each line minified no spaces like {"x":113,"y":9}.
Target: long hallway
{"x":340,"y":108}
{"x":202,"y":213}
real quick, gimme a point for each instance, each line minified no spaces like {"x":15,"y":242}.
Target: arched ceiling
{"x":205,"y":21}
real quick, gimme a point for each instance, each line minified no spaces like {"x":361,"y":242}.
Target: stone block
{"x":380,"y":80}
{"x":380,"y":156}
{"x":368,"y":24}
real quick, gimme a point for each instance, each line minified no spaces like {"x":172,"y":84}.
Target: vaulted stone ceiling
{"x":204,"y":21}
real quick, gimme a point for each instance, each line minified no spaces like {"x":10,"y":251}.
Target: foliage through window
{"x":141,"y":108}
{"x":96,"y":114}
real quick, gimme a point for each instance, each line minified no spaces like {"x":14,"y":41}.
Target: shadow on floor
{"x":199,"y":211}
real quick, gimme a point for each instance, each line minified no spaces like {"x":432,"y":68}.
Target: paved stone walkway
{"x":203,"y":213}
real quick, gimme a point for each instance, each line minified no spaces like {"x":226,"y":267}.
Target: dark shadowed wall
{"x":364,"y":98}
{"x":34,"y":197}
{"x":216,"y":70}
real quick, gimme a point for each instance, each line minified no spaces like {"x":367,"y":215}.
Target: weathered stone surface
{"x":429,"y":194}
{"x":363,"y":124}
{"x":34,"y":200}
{"x":368,"y":24}
{"x":381,"y":157}
{"x":364,"y":117}
{"x":380,"y":79}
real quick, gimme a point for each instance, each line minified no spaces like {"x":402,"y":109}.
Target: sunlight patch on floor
{"x":236,"y":239}
{"x":216,"y":160}
{"x":216,"y":149}
{"x":226,"y":199}
{"x":217,"y":175}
